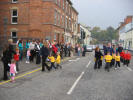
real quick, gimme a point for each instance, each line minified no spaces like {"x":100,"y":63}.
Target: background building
{"x":126,"y":33}
{"x":85,"y":35}
{"x":38,"y":19}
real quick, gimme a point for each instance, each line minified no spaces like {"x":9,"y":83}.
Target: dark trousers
{"x":59,"y":66}
{"x":38,"y":58}
{"x":112,"y":62}
{"x":32,"y":55}
{"x":6,"y":68}
{"x":83,"y":53}
{"x":69,"y":53}
{"x":117,"y":64}
{"x":21,"y":55}
{"x":44,"y":64}
{"x":52,"y":65}
{"x":61,"y":54}
{"x":127,"y":62}
{"x":97,"y":64}
{"x":107,"y":66}
{"x":17,"y":67}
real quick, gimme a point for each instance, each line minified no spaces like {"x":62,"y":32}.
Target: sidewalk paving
{"x":23,"y":67}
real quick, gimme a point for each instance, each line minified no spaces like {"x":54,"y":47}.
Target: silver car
{"x":89,"y":48}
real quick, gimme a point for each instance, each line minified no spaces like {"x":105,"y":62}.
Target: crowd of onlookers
{"x":37,"y":51}
{"x":113,"y":55}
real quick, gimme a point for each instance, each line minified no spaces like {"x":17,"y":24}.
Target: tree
{"x":104,"y":35}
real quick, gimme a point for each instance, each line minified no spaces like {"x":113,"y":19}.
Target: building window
{"x":66,"y":22}
{"x":58,"y":18}
{"x":63,"y":20}
{"x":59,"y":2}
{"x":14,"y":36}
{"x":55,"y":18}
{"x":63,"y":4}
{"x":66,"y":5}
{"x":14,"y":1}
{"x":56,"y":1}
{"x":55,"y":37}
{"x":14,"y":15}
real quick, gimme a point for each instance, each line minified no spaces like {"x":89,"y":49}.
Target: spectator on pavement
{"x":32,"y":50}
{"x":44,"y":55}
{"x":5,"y":59}
{"x":20,"y":45}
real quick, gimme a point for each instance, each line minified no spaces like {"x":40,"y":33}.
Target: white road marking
{"x":88,"y":64}
{"x":74,"y":60}
{"x":129,"y":69}
{"x":74,"y":85}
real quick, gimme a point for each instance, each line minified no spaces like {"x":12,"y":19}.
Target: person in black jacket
{"x":11,"y":51}
{"x":44,"y":55}
{"x":98,"y":55}
{"x":6,"y":59}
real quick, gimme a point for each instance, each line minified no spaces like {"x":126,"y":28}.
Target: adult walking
{"x":44,"y":55}
{"x":98,"y":55}
{"x":32,"y":48}
{"x":120,"y":48}
{"x":110,"y":49}
{"x":5,"y":59}
{"x":20,"y":46}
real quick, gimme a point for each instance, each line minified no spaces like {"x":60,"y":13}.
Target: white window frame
{"x":63,"y":1}
{"x":14,"y":16}
{"x":58,"y":18}
{"x":14,"y":1}
{"x":55,"y":17}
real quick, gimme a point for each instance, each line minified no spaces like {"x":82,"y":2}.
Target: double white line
{"x":78,"y":79}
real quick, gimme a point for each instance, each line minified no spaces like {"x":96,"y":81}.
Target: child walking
{"x":117,"y":59}
{"x":13,"y":70}
{"x":108,"y":59}
{"x":127,"y":58}
{"x":58,"y":61}
{"x":16,"y":58}
{"x":52,"y":60}
{"x":28,"y":56}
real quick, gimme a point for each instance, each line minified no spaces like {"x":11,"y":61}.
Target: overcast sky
{"x":103,"y":13}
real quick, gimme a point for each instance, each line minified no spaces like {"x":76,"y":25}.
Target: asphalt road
{"x":76,"y":81}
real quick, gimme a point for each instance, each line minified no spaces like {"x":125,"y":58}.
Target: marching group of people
{"x":43,"y":51}
{"x":113,"y":55}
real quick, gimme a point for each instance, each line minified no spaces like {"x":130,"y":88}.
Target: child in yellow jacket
{"x":52,"y":60}
{"x":58,"y":61}
{"x":108,"y":59}
{"x":117,"y":59}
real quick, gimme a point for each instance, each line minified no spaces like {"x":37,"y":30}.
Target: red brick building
{"x":38,"y":19}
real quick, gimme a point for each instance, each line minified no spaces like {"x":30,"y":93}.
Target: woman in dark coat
{"x":6,"y":59}
{"x":44,"y":55}
{"x":98,"y":55}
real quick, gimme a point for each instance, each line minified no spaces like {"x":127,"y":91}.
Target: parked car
{"x":101,"y":46}
{"x":89,"y":48}
{"x":94,"y":46}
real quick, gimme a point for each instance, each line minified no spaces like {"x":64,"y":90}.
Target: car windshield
{"x":89,"y":46}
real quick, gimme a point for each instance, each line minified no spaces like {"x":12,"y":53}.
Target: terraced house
{"x":38,"y":19}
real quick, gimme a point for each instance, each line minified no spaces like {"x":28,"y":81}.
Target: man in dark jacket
{"x":44,"y":55}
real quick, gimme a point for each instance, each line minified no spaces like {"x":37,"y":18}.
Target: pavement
{"x":76,"y":81}
{"x":23,"y":67}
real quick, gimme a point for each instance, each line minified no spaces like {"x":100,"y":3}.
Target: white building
{"x":126,"y":33}
{"x":87,"y":39}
